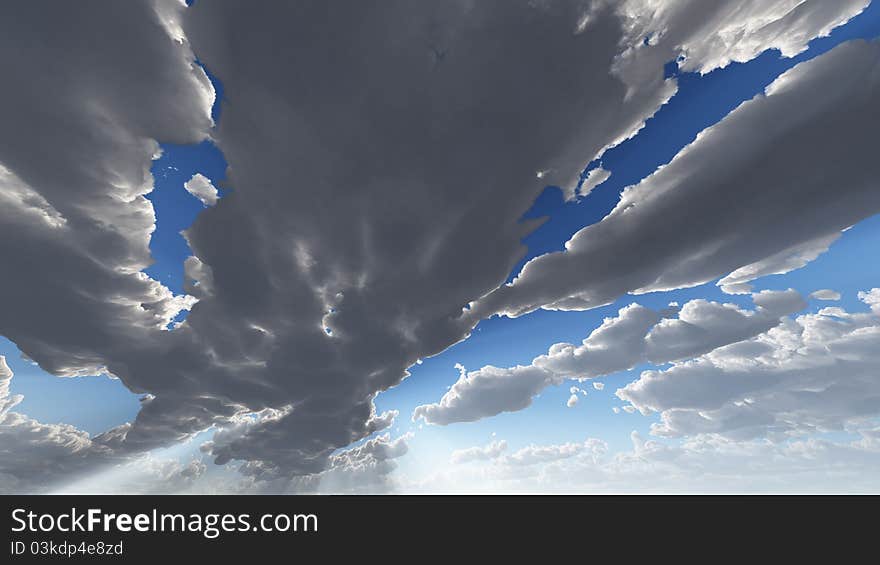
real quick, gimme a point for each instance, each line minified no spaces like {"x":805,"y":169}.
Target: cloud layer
{"x":703,"y":464}
{"x":380,"y":157}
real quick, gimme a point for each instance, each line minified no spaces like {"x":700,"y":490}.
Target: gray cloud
{"x":411,"y":137}
{"x":38,"y":457}
{"x":779,"y":263}
{"x":380,"y":158}
{"x":406,"y":163}
{"x":637,"y":335}
{"x":752,"y":195}
{"x":814,"y":373}
{"x":88,"y":91}
{"x":826,"y":294}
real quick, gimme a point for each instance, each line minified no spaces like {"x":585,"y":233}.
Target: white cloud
{"x":487,"y":392}
{"x":872,"y":299}
{"x":826,"y":294}
{"x":736,"y":288}
{"x":636,"y":335}
{"x":201,"y":187}
{"x":364,"y":469}
{"x":491,"y":451}
{"x":708,"y":35}
{"x":814,"y":373}
{"x":535,"y":454}
{"x":594,"y":178}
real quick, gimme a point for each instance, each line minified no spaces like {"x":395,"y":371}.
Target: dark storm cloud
{"x":88,"y":88}
{"x":380,"y":157}
{"x":381,"y":154}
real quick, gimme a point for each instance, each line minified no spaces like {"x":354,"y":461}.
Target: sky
{"x":565,"y":247}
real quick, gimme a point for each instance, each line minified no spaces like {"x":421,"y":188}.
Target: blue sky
{"x":98,"y":403}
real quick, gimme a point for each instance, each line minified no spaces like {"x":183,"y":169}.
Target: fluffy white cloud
{"x":637,"y":335}
{"x":872,"y":299}
{"x":814,"y":373}
{"x":201,"y":187}
{"x":364,"y":469}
